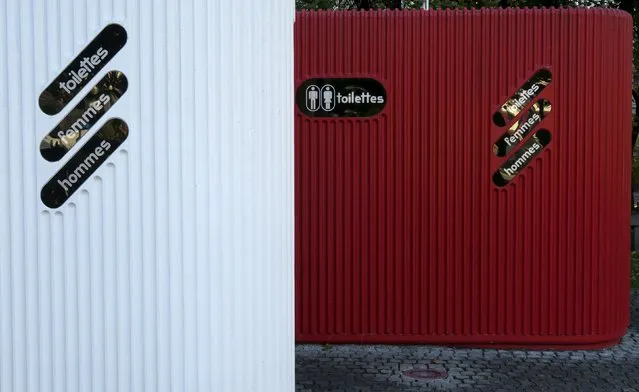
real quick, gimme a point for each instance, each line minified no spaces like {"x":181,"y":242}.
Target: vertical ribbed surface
{"x":172,"y":268}
{"x":401,"y":235}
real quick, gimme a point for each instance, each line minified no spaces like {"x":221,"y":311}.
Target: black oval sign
{"x":522,"y":157}
{"x":527,"y":93}
{"x":522,"y":128}
{"x":341,"y":97}
{"x":82,"y":69}
{"x":77,"y":123}
{"x":84,"y":163}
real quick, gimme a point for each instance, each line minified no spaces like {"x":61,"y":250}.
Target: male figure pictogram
{"x":312,"y":97}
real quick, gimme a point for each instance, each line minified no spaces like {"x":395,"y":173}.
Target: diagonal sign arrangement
{"x":77,"y":123}
{"x":515,"y":136}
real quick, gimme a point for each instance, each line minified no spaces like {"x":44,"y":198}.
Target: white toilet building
{"x":146,"y":196}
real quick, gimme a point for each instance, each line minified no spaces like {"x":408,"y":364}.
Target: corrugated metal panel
{"x":154,"y":275}
{"x":401,"y":234}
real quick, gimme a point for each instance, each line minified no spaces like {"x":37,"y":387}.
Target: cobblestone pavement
{"x":352,"y":368}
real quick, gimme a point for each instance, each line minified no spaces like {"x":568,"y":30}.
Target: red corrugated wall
{"x":401,"y":235}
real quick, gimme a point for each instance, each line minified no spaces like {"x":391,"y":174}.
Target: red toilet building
{"x":462,"y":177}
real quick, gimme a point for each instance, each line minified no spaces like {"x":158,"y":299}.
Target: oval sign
{"x":521,"y":158}
{"x":84,"y":163}
{"x":341,"y":97}
{"x":522,"y":128}
{"x":82,"y":69}
{"x":527,"y":93}
{"x":77,"y":123}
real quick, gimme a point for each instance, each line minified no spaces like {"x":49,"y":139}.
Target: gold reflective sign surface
{"x":77,"y":123}
{"x":522,"y":157}
{"x":522,"y":97}
{"x":521,"y":128}
{"x":84,"y":163}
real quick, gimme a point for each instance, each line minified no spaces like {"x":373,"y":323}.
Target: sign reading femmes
{"x":522,"y":128}
{"x":341,"y":97}
{"x":84,"y":163}
{"x":82,"y":69}
{"x":77,"y":123}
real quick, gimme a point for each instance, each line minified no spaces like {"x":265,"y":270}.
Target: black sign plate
{"x":77,"y":123}
{"x":527,"y":93}
{"x":82,"y":69}
{"x":522,"y":128}
{"x":84,"y":163}
{"x":341,"y":97}
{"x":522,"y":158}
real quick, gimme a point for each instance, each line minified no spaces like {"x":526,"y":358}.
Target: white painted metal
{"x":171,"y":269}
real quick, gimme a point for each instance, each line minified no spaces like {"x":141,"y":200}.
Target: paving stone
{"x":353,"y":368}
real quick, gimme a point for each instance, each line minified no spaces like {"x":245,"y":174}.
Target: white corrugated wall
{"x":171,"y":269}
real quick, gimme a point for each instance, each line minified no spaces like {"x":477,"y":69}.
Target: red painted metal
{"x":401,"y":236}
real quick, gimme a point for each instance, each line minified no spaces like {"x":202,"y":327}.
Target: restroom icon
{"x":312,"y":98}
{"x":328,"y":98}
